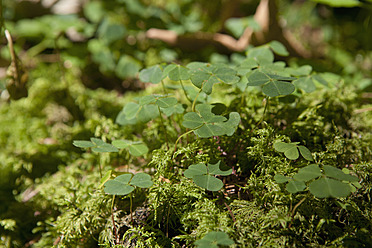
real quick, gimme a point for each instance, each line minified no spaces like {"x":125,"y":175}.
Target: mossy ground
{"x":50,"y":193}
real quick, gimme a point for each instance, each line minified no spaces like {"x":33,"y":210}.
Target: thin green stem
{"x":112,"y":203}
{"x":164,"y":89}
{"x":37,"y":49}
{"x":264,"y":112}
{"x":165,"y":129}
{"x":296,"y":206}
{"x":196,"y":98}
{"x":294,"y":210}
{"x":242,"y":100}
{"x":263,"y":115}
{"x":184,"y":91}
{"x":175,"y":145}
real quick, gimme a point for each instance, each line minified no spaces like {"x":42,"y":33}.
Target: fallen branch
{"x":265,"y":16}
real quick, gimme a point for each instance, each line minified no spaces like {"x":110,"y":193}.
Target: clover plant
{"x":97,"y":145}
{"x":206,"y":124}
{"x":258,"y":69}
{"x":291,"y":150}
{"x":204,"y":175}
{"x":125,"y":183}
{"x":326,"y":182}
{"x":135,"y":148}
{"x":186,"y":105}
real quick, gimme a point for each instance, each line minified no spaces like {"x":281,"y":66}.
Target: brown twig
{"x":13,"y":55}
{"x":116,"y":240}
{"x":265,"y":16}
{"x":231,"y":213}
{"x":358,"y":111}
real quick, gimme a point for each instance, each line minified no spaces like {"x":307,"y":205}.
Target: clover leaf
{"x":166,"y":102}
{"x":328,"y":187}
{"x":332,"y":182}
{"x":305,"y":83}
{"x":153,"y":75}
{"x":203,"y":175}
{"x":136,"y":148}
{"x":178,"y":108}
{"x":213,"y":239}
{"x":177,"y":72}
{"x":291,"y":150}
{"x":97,"y":145}
{"x":304,"y":70}
{"x":336,"y":173}
{"x":206,"y":75}
{"x":125,"y":183}
{"x":146,"y":100}
{"x":143,"y":113}
{"x":206,"y":124}
{"x":123,"y":120}
{"x":146,"y":109}
{"x":119,"y":185}
{"x":141,"y":180}
{"x":246,"y":66}
{"x":262,"y":55}
{"x":278,"y":48}
{"x":131,"y":110}
{"x":295,"y":186}
{"x":308,"y":173}
{"x":273,"y":85}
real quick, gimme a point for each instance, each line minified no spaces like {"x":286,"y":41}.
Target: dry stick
{"x":113,"y":220}
{"x":265,"y":16}
{"x":14,"y":58}
{"x":231,"y":213}
{"x":358,"y":111}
